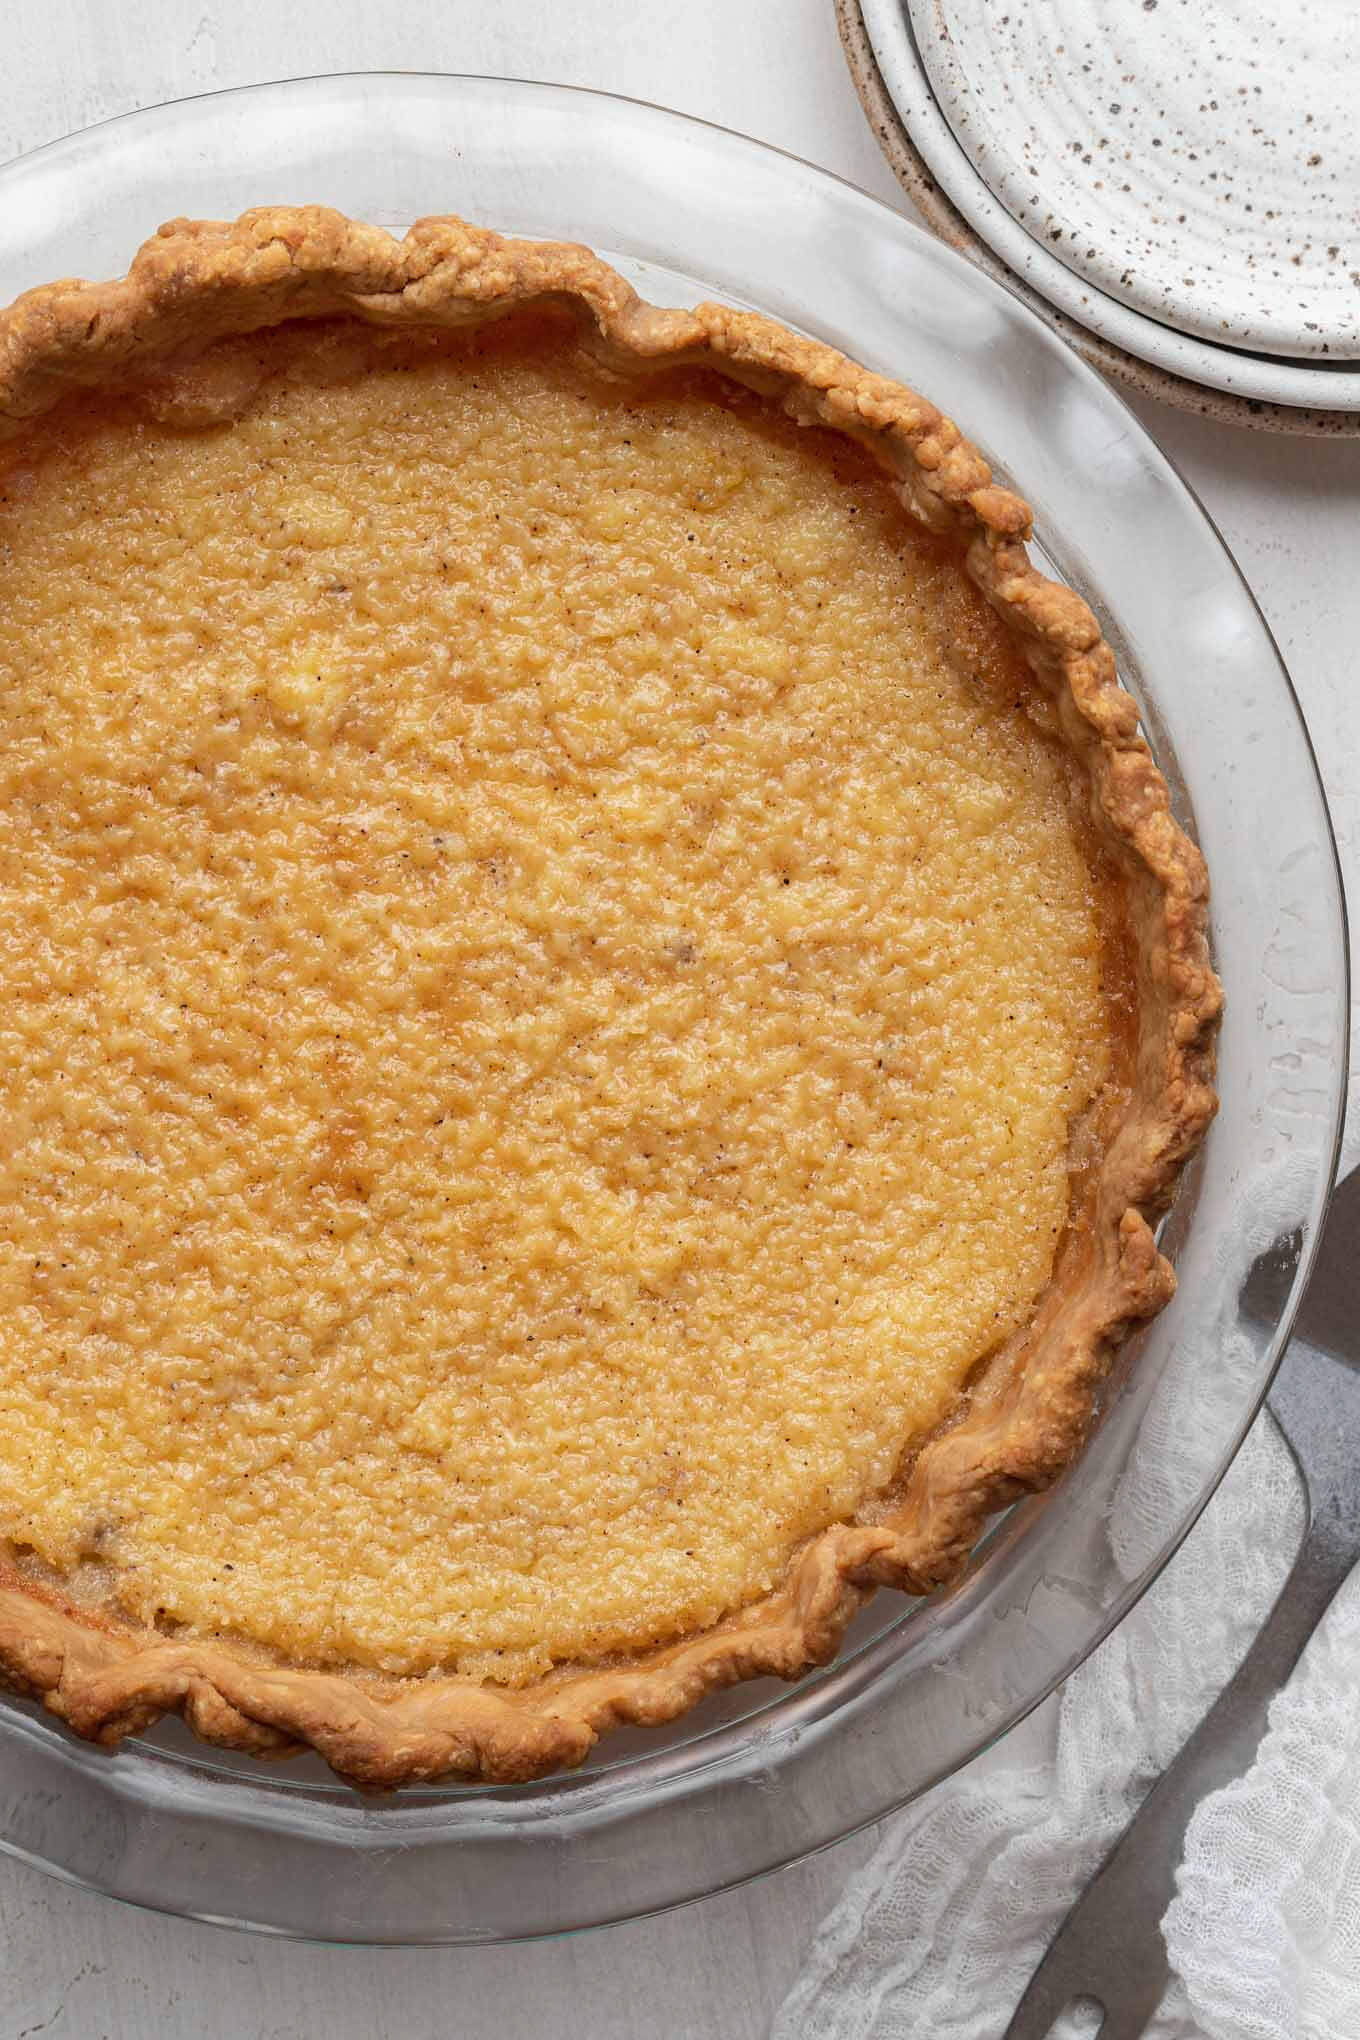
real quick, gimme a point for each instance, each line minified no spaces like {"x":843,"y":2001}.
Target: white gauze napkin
{"x":940,"y":1931}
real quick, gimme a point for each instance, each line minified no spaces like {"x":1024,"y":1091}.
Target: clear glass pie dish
{"x":766,"y":1773}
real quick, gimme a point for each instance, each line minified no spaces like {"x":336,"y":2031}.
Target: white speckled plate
{"x":1198,"y":160}
{"x":1325,"y":395}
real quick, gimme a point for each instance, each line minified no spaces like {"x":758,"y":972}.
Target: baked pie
{"x":602,"y":997}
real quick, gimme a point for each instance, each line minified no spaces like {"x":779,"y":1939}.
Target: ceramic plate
{"x":1253,"y":377}
{"x":944,"y":219}
{"x":1198,"y":160}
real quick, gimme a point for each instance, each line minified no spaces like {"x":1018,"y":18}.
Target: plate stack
{"x":1173,"y":184}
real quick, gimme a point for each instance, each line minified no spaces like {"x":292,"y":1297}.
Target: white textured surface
{"x":1264,"y":1932}
{"x":1198,"y":159}
{"x":939,"y":1931}
{"x":79,"y":1968}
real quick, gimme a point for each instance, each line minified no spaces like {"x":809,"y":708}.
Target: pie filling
{"x":551,"y":962}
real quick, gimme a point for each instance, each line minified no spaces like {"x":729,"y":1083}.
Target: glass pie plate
{"x":766,"y":1773}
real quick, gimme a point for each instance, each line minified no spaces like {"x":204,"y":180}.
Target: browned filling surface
{"x":548,"y":970}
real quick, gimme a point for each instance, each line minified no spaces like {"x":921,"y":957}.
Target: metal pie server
{"x":1109,"y":1948}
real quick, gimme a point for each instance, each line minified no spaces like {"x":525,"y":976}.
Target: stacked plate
{"x":1174,"y":184}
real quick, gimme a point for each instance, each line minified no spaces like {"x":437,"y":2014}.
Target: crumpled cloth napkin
{"x":939,"y":1932}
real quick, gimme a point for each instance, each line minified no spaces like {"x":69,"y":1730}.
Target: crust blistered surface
{"x":1027,"y":1415}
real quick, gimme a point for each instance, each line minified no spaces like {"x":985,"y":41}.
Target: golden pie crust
{"x":1026,"y":1412}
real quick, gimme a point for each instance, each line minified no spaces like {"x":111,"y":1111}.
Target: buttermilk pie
{"x":601,"y":998}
